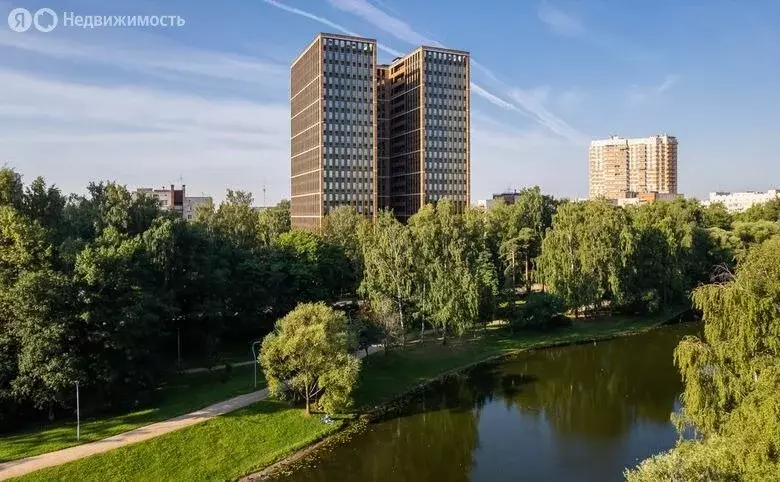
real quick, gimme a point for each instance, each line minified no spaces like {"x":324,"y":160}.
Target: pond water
{"x":583,"y":412}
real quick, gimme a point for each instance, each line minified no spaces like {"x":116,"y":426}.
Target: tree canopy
{"x":732,"y":380}
{"x":308,"y":356}
{"x":104,"y":287}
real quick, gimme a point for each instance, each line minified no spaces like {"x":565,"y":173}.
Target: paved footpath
{"x":16,"y":468}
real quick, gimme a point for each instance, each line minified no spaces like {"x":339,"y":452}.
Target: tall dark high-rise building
{"x":377,"y":136}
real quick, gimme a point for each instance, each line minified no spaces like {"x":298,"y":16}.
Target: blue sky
{"x":208,"y":102}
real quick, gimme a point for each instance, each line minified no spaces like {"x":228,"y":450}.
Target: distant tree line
{"x":98,"y":287}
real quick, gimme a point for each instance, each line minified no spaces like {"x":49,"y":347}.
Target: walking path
{"x":16,"y":468}
{"x":217,"y":367}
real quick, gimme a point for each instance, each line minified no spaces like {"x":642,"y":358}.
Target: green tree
{"x":768,"y":211}
{"x":122,"y":314}
{"x":385,"y":317}
{"x":308,"y":354}
{"x":45,"y":205}
{"x":273,"y":222}
{"x":11,"y":188}
{"x":235,"y":219}
{"x":717,"y":216}
{"x":581,"y":254}
{"x":451,"y":292}
{"x":342,"y":227}
{"x":117,"y":208}
{"x":518,"y":249}
{"x":317,"y":268}
{"x":23,"y":246}
{"x":389,"y":273}
{"x":482,"y":258}
{"x":732,"y":380}
{"x":519,"y":229}
{"x":46,"y":324}
{"x":751,"y":233}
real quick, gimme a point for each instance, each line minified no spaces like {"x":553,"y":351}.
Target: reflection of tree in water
{"x":586,"y":390}
{"x":601,"y":389}
{"x":433,"y":440}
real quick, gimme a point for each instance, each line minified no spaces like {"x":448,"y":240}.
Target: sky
{"x":207,"y":104}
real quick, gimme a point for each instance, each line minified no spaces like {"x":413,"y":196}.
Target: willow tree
{"x":582,"y":252}
{"x":450,"y":265}
{"x":389,"y":266}
{"x":308,"y":355}
{"x":732,"y":380}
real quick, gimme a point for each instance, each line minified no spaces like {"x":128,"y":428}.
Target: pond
{"x":582,"y":412}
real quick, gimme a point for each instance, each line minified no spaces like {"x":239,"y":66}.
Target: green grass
{"x":223,"y":448}
{"x":184,"y":394}
{"x":250,"y":439}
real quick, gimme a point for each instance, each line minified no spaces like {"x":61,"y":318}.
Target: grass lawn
{"x":247,"y":440}
{"x":223,"y":448}
{"x":184,"y":394}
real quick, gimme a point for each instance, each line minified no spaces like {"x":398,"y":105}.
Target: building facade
{"x":621,"y":167}
{"x":333,"y":134}
{"x":191,"y":206}
{"x":377,"y":136}
{"x":172,"y":199}
{"x":646,"y":198}
{"x":737,"y":202}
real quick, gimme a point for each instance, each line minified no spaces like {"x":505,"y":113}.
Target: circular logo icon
{"x":45,"y":20}
{"x":20,"y":20}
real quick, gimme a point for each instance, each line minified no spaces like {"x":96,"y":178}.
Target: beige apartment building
{"x":621,"y":167}
{"x":377,"y":136}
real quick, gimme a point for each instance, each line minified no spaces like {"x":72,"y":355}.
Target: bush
{"x":542,"y":311}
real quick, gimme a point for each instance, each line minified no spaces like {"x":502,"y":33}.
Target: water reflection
{"x":575,"y":413}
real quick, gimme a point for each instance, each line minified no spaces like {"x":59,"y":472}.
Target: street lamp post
{"x":254,"y":357}
{"x":78,"y":414}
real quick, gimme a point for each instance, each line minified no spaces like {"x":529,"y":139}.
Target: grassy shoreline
{"x":221,"y":448}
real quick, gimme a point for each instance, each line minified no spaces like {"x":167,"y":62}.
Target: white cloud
{"x":141,"y":136}
{"x":150,"y":55}
{"x":392,"y":25}
{"x":325,"y":21}
{"x":571,"y":99}
{"x":567,"y":23}
{"x":560,"y":21}
{"x":638,"y":95}
{"x":527,"y":105}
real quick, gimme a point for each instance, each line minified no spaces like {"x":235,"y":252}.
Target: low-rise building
{"x":191,"y":205}
{"x":736,"y":202}
{"x":509,"y":197}
{"x":484,"y":204}
{"x":173,"y":199}
{"x":638,"y":199}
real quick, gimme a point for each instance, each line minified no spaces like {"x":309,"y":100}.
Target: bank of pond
{"x":579,"y":412}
